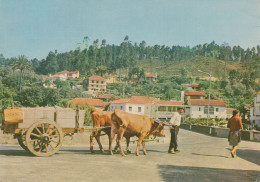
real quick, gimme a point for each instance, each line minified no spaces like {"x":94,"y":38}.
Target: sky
{"x":35,"y":27}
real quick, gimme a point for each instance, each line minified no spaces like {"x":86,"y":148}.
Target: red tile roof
{"x":150,"y":75}
{"x":204,"y":102}
{"x":162,"y":102}
{"x":136,"y":100}
{"x":84,"y":101}
{"x":120,"y":101}
{"x":195,"y":93}
{"x":96,"y":78}
{"x":146,"y":100}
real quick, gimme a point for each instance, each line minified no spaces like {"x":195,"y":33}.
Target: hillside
{"x":210,"y":65}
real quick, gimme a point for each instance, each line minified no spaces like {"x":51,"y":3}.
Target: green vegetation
{"x":235,"y":72}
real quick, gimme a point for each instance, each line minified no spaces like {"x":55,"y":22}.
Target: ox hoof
{"x":123,"y":154}
{"x":137,"y":154}
{"x":102,"y":150}
{"x":129,"y":151}
{"x":111,"y":153}
{"x":145,"y":153}
{"x":92,"y":151}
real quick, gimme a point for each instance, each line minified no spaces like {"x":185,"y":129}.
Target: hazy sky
{"x":35,"y":27}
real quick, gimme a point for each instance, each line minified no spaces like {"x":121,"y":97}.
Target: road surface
{"x":203,"y":158}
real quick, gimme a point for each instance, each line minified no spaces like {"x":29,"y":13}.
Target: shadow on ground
{"x":15,"y":153}
{"x":210,"y":155}
{"x":186,"y":173}
{"x":249,"y":155}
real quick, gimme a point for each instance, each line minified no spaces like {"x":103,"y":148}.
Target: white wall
{"x":125,"y":107}
{"x":195,"y":112}
{"x":255,"y":111}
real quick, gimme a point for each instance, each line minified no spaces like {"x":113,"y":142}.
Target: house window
{"x":199,"y":109}
{"x":97,"y":81}
{"x":130,"y":108}
{"x":162,"y":108}
{"x":211,"y":110}
{"x":139,"y":109}
{"x":111,"y":107}
{"x":102,"y":82}
{"x":216,"y":109}
{"x":92,"y":81}
{"x":121,"y":107}
{"x":172,"y":109}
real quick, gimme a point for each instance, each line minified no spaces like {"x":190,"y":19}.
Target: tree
{"x":22,"y":64}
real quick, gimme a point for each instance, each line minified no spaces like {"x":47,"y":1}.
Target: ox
{"x":129,"y":125}
{"x":100,"y":119}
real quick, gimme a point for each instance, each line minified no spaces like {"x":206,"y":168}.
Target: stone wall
{"x":221,"y":132}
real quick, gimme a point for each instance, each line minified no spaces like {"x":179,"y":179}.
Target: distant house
{"x":97,"y":103}
{"x":190,"y":86}
{"x":255,"y":111}
{"x":194,"y":95}
{"x":64,"y":75}
{"x":164,"y":109}
{"x":96,"y":84}
{"x":148,"y":106}
{"x":198,"y":108}
{"x":151,"y":77}
{"x":136,"y":104}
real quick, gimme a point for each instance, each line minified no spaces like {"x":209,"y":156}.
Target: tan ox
{"x":100,"y":119}
{"x":129,"y":125}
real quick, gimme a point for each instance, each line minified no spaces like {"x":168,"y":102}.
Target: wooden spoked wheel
{"x":22,"y":142}
{"x":44,"y":138}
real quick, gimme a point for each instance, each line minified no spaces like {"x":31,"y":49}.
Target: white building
{"x":64,"y":75}
{"x":148,"y":106}
{"x":136,"y":105}
{"x":255,"y":111}
{"x":198,"y":108}
{"x":96,"y":84}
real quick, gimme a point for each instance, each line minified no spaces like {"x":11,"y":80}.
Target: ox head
{"x":159,"y":129}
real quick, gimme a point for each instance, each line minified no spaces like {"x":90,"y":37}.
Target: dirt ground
{"x":203,"y":158}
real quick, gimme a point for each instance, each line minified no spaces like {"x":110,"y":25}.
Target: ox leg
{"x":99,"y":143}
{"x":116,"y":147}
{"x":140,"y":140}
{"x":92,"y":142}
{"x":119,"y":137}
{"x":144,"y":148}
{"x":111,"y":139}
{"x":127,"y":145}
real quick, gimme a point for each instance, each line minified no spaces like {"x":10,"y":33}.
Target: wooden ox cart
{"x":41,"y":130}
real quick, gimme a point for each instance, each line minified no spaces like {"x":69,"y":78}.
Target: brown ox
{"x":129,"y":125}
{"x":100,"y":119}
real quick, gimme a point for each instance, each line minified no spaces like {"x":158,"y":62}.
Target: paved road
{"x":203,"y":158}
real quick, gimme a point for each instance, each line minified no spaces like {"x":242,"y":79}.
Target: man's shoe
{"x":177,"y":150}
{"x":171,"y":152}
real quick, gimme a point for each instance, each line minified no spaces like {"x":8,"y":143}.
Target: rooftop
{"x":195,"y":93}
{"x":96,"y":78}
{"x":204,"y":102}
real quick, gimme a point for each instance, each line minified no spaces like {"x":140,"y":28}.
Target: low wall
{"x":222,"y":132}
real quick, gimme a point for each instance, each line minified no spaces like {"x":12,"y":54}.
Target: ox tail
{"x":119,"y":120}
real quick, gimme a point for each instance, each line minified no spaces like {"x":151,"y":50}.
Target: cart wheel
{"x":22,"y":142}
{"x":44,"y":138}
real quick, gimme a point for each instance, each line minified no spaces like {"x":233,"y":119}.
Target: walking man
{"x":235,"y":125}
{"x":175,"y":122}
